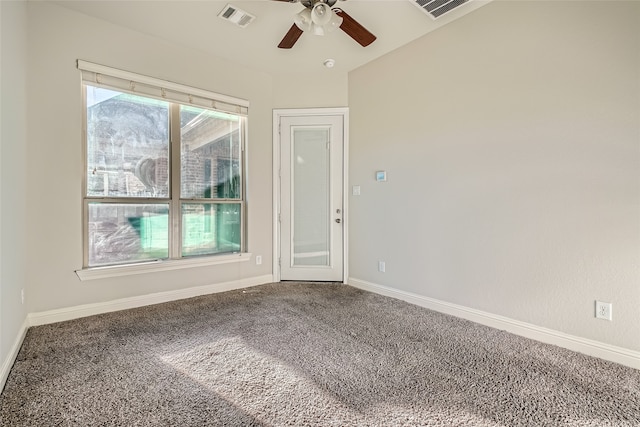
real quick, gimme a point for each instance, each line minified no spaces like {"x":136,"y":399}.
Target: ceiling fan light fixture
{"x":303,"y":20}
{"x":335,"y":21}
{"x":319,"y":18}
{"x":318,"y":30}
{"x":321,"y":14}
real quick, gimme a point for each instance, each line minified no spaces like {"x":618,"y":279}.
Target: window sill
{"x":158,"y":265}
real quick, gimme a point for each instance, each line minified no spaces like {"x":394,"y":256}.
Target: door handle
{"x":338,"y":220}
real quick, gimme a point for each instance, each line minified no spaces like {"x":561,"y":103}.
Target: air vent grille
{"x":437,"y":8}
{"x":236,"y":16}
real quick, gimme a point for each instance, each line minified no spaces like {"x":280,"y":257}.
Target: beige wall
{"x":324,"y":89}
{"x":13,"y":162}
{"x":42,"y":164}
{"x":511,"y":142}
{"x":57,"y":38}
{"x":510,"y":137}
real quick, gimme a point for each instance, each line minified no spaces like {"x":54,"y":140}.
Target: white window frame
{"x":115,"y":79}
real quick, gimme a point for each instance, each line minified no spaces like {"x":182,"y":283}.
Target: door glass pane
{"x":127,"y":145}
{"x":210,"y":228}
{"x":310,"y":203}
{"x":210,"y":154}
{"x":122,"y":233}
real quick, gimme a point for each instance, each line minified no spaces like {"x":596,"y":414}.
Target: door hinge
{"x":279,"y":261}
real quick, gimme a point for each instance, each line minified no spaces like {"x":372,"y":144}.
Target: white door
{"x":311,"y":198}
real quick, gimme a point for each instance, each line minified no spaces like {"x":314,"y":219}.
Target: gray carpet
{"x":303,"y":354}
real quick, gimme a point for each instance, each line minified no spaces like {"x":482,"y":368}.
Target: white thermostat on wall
{"x":381,"y":176}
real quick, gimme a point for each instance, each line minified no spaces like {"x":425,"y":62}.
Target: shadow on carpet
{"x":305,"y":354}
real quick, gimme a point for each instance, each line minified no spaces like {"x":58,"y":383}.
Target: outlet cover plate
{"x":604,"y":310}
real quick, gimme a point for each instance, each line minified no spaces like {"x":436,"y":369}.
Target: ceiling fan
{"x":320,"y":17}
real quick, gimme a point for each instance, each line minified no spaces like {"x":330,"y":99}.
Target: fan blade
{"x":291,"y":37}
{"x":354,"y":29}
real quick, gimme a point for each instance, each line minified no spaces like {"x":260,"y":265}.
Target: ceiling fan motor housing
{"x":309,"y":4}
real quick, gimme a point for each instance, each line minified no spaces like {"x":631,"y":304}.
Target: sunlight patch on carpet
{"x":258,"y":384}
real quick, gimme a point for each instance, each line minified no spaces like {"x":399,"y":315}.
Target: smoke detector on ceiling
{"x":437,"y":8}
{"x":236,"y":16}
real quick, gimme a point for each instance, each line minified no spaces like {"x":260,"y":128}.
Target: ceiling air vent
{"x":237,"y":16}
{"x":437,"y":8}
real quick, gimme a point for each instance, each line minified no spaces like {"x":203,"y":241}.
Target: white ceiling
{"x":195,"y":24}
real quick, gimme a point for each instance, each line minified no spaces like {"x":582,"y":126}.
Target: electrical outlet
{"x":258,"y":259}
{"x":604,"y":310}
{"x":381,"y":266}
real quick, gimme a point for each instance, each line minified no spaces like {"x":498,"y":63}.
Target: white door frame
{"x":277,"y":115}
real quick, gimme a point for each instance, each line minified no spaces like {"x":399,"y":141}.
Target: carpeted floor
{"x":304,"y":354}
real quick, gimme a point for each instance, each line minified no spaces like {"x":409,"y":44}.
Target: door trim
{"x":277,"y":115}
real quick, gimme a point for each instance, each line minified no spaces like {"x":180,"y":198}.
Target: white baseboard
{"x":7,"y":364}
{"x":582,"y":345}
{"x":70,"y":313}
{"x":604,"y":351}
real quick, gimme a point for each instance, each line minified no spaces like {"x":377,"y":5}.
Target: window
{"x":164,"y":170}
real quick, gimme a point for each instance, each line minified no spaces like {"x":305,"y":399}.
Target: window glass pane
{"x":210,"y":154}
{"x":311,"y":216}
{"x":122,"y":233}
{"x":127,"y":145}
{"x":210,"y":228}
